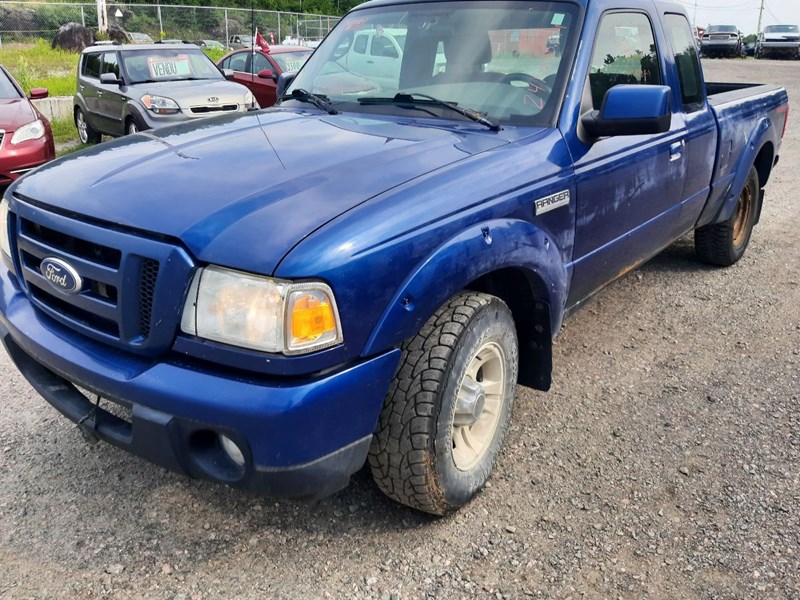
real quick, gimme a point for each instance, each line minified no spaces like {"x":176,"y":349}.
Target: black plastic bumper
{"x":187,"y":446}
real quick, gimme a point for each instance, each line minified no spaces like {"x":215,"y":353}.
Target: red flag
{"x":260,"y":41}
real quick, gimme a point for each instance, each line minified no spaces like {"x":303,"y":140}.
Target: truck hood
{"x":241,"y":191}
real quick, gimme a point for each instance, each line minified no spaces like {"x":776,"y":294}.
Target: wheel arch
{"x":509,"y":258}
{"x":759,"y":152}
{"x":764,"y":163}
{"x":525,"y":294}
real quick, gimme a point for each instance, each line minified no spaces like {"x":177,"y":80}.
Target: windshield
{"x":501,"y":59}
{"x":782,"y":29}
{"x":165,"y":64}
{"x":291,"y":61}
{"x":7,"y":89}
{"x":722,"y":29}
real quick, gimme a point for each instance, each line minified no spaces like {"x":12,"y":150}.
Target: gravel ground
{"x":663,"y":464}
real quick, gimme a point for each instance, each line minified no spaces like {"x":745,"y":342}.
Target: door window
{"x":360,"y":44}
{"x":110,"y":64}
{"x":382,"y":46}
{"x":91,"y":65}
{"x":686,"y":60}
{"x":260,"y":63}
{"x":624,"y":53}
{"x":238,"y":62}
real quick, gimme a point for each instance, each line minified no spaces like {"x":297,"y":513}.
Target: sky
{"x":743,"y":13}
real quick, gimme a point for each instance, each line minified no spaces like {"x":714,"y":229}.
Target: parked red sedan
{"x":258,"y":70}
{"x":26,"y":140}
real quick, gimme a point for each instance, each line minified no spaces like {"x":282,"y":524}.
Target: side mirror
{"x":284,"y":81}
{"x":268,"y":74}
{"x":110,"y":79}
{"x":38,"y":93}
{"x":228,"y":74}
{"x":631,"y":110}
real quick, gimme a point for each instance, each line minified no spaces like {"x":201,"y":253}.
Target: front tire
{"x":447,"y":410}
{"x":132,"y":126}
{"x":86,"y":133}
{"x":724,"y":243}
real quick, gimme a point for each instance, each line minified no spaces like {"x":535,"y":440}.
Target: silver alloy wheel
{"x":83,"y":127}
{"x":478,"y":406}
{"x":132,"y":128}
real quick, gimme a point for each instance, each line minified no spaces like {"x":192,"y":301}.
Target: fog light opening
{"x":232,"y":451}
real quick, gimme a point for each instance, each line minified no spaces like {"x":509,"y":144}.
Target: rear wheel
{"x":448,"y":408}
{"x":86,"y":133}
{"x":724,"y":243}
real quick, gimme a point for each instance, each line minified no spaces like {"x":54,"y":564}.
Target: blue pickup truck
{"x":272,"y":300}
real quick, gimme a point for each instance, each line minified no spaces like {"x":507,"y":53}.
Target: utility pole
{"x":102,"y":16}
{"x":760,"y":14}
{"x":694,"y":17}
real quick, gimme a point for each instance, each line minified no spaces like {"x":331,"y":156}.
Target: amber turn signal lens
{"x":311,"y":318}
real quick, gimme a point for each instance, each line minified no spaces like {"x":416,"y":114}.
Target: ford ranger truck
{"x":271,"y":300}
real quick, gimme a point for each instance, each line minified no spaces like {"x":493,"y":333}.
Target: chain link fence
{"x":24,"y":21}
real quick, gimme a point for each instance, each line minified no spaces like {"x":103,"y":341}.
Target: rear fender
{"x":764,"y":133}
{"x":478,"y":251}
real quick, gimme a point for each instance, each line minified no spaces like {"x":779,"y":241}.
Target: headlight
{"x":160,"y":105}
{"x":250,"y":101}
{"x":260,"y":313}
{"x":31,"y":131}
{"x":5,"y":244}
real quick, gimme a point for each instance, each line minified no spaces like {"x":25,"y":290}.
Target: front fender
{"x":481,"y":249}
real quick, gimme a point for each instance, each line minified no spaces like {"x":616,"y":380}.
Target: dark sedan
{"x":26,"y":140}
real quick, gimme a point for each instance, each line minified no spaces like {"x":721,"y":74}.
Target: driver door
{"x":629,"y":188}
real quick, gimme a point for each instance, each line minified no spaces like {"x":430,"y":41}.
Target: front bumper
{"x":719,"y":46}
{"x":16,"y":160}
{"x":152,"y":121}
{"x":300,"y":439}
{"x":782,"y":48}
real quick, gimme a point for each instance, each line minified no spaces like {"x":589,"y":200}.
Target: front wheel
{"x":724,"y":243}
{"x":132,"y":126}
{"x":447,"y":411}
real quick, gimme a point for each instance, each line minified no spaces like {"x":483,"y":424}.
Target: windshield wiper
{"x":321,"y":102}
{"x":412,"y":98}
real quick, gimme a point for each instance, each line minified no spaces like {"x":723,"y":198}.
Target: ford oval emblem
{"x":61,"y":275}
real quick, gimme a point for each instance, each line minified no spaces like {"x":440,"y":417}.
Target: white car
{"x":378,"y":53}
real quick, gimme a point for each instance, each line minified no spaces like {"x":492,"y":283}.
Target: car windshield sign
{"x":168,"y":68}
{"x":291,"y":61}
{"x":163,"y":64}
{"x":500,"y":60}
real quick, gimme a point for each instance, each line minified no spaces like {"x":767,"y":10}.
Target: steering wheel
{"x":537,"y":86}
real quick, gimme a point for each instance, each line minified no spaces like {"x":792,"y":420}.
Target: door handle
{"x":370,"y":62}
{"x":676,"y":150}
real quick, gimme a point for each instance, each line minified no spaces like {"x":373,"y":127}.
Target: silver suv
{"x":125,"y":89}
